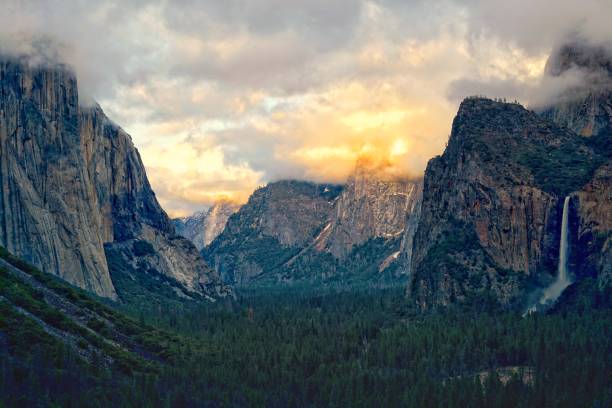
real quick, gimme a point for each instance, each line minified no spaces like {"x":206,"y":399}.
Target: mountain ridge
{"x":203,"y":227}
{"x":496,"y":189}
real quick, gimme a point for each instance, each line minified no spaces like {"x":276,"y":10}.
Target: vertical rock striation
{"x":48,"y":207}
{"x":490,"y":215}
{"x":203,"y":227}
{"x":372,"y":205}
{"x":74,"y":188}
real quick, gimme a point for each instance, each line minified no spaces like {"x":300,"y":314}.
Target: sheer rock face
{"x":372,"y":205}
{"x":301,"y":231}
{"x":130,"y":211}
{"x":592,"y":229}
{"x":587,"y":108}
{"x":277,"y":222}
{"x":413,"y":218}
{"x":588,"y":112}
{"x":203,"y":227}
{"x":73,"y":181}
{"x":48,"y":206}
{"x":490,"y":215}
{"x":490,"y":220}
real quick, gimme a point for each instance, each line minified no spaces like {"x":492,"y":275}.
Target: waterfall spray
{"x":563,"y":280}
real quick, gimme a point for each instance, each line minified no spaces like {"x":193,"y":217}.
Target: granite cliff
{"x":74,"y":189}
{"x":491,"y":212}
{"x":490,"y":218}
{"x":290,"y":231}
{"x":587,"y":110}
{"x":372,"y":205}
{"x":277,"y":222}
{"x":203,"y":227}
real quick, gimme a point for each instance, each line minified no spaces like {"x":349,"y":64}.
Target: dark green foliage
{"x":360,"y":267}
{"x":562,"y":169}
{"x":142,"y":248}
{"x":309,"y":346}
{"x":584,"y":296}
{"x":143,"y":285}
{"x":110,"y":332}
{"x":504,"y":135}
{"x":456,"y":244}
{"x":306,"y":346}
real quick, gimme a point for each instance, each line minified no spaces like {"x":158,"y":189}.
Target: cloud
{"x":223,"y":96}
{"x":524,"y":34}
{"x":538,"y":26}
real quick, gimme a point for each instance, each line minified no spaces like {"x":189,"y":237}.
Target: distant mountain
{"x":587,"y":108}
{"x":298,"y":231}
{"x":75,"y":197}
{"x":277,"y":222}
{"x":373,"y":204}
{"x":203,"y":227}
{"x":370,"y":223}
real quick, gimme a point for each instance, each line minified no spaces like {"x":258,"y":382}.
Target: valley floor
{"x":301,"y":346}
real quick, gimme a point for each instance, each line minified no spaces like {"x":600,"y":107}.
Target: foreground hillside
{"x":57,"y":344}
{"x":292,"y":347}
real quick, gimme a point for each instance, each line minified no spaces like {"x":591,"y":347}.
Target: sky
{"x":221,"y":97}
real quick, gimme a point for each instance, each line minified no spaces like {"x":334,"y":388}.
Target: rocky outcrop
{"x":592,"y":229}
{"x":291,"y":231}
{"x":586,"y":108}
{"x":372,"y":205}
{"x":413,"y":218}
{"x":203,"y":227}
{"x":588,"y":112}
{"x":48,"y":207}
{"x":489,"y":226}
{"x":277,"y":222}
{"x":73,"y":182}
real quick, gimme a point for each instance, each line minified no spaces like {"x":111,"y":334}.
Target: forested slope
{"x":291,"y":347}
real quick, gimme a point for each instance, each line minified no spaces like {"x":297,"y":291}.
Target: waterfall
{"x":563,"y":280}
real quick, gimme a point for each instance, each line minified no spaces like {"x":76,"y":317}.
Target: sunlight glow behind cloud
{"x":221,"y":97}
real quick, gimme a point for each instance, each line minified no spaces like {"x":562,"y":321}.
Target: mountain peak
{"x":586,"y":109}
{"x":203,"y":227}
{"x":76,"y":195}
{"x":586,"y":57}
